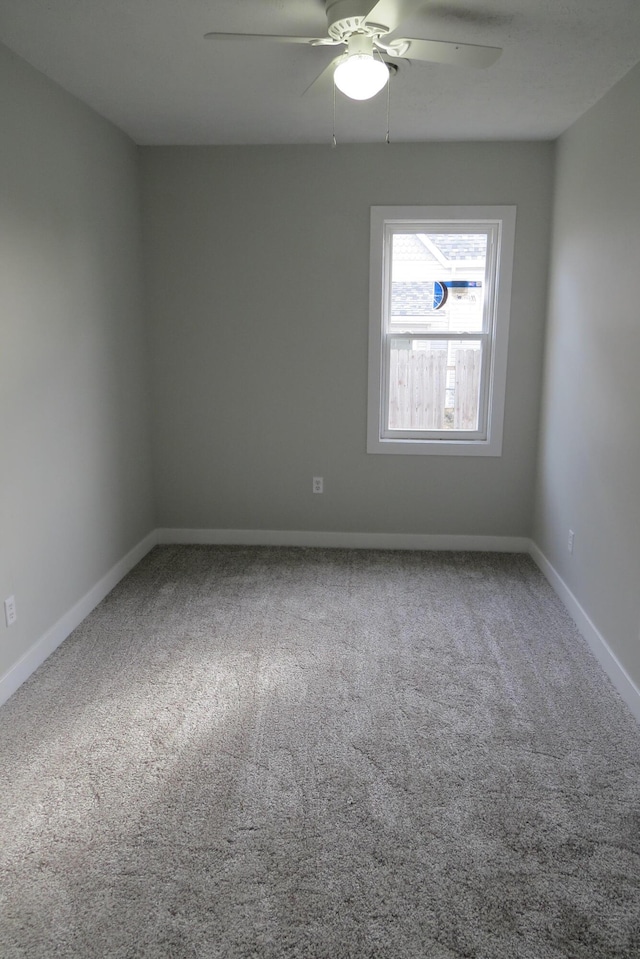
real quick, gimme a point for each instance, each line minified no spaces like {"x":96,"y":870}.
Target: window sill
{"x":435,"y":447}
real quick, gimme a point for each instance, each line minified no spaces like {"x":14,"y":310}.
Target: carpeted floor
{"x":321,"y":754}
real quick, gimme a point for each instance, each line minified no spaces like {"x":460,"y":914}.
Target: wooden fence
{"x":418,"y":389}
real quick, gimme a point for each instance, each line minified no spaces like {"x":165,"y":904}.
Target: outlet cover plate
{"x":10,"y":613}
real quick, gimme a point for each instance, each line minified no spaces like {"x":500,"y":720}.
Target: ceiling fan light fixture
{"x":360,"y":76}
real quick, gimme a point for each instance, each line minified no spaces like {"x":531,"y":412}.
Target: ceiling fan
{"x":365,"y":28}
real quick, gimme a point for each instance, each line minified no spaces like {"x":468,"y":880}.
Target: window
{"x":440,"y":299}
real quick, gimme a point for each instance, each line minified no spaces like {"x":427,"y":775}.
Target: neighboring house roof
{"x":410,"y":298}
{"x":453,"y":247}
{"x":460,"y":246}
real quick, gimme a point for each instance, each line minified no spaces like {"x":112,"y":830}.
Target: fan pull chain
{"x":334,"y":142}
{"x":387,"y":140}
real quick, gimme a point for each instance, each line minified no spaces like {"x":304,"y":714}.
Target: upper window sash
{"x":490,"y":230}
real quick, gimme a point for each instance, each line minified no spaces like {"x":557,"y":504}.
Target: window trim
{"x":410,"y":217}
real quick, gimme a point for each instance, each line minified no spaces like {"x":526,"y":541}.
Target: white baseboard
{"x":277,"y":537}
{"x":594,"y":638}
{"x":42,"y":649}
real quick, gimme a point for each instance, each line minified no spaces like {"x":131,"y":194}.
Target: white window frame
{"x":487,"y":441}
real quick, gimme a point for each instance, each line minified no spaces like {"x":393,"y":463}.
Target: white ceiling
{"x":145,"y":65}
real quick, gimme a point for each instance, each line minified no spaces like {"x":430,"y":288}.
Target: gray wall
{"x":257,"y":265}
{"x":75,"y":480}
{"x":589,"y":462}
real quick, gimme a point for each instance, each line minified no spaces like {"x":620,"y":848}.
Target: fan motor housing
{"x":345,"y":17}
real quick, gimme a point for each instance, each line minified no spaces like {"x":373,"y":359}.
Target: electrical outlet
{"x":10,"y":613}
{"x":318,"y":484}
{"x":570,"y":541}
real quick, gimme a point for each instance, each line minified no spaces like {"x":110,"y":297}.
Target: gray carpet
{"x":321,"y":754}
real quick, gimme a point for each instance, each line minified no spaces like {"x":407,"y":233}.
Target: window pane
{"x":434,"y":384}
{"x":438,"y":282}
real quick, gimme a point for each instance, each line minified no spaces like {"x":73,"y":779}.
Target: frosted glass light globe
{"x":360,"y":77}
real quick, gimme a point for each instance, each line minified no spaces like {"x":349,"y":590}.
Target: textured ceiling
{"x":145,"y":65}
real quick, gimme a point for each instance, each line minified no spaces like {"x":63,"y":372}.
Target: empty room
{"x":319,"y":476}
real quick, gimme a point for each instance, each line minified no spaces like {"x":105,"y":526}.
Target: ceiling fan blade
{"x":324,"y":80}
{"x":312,"y":41}
{"x":391,"y":13}
{"x":441,"y":51}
